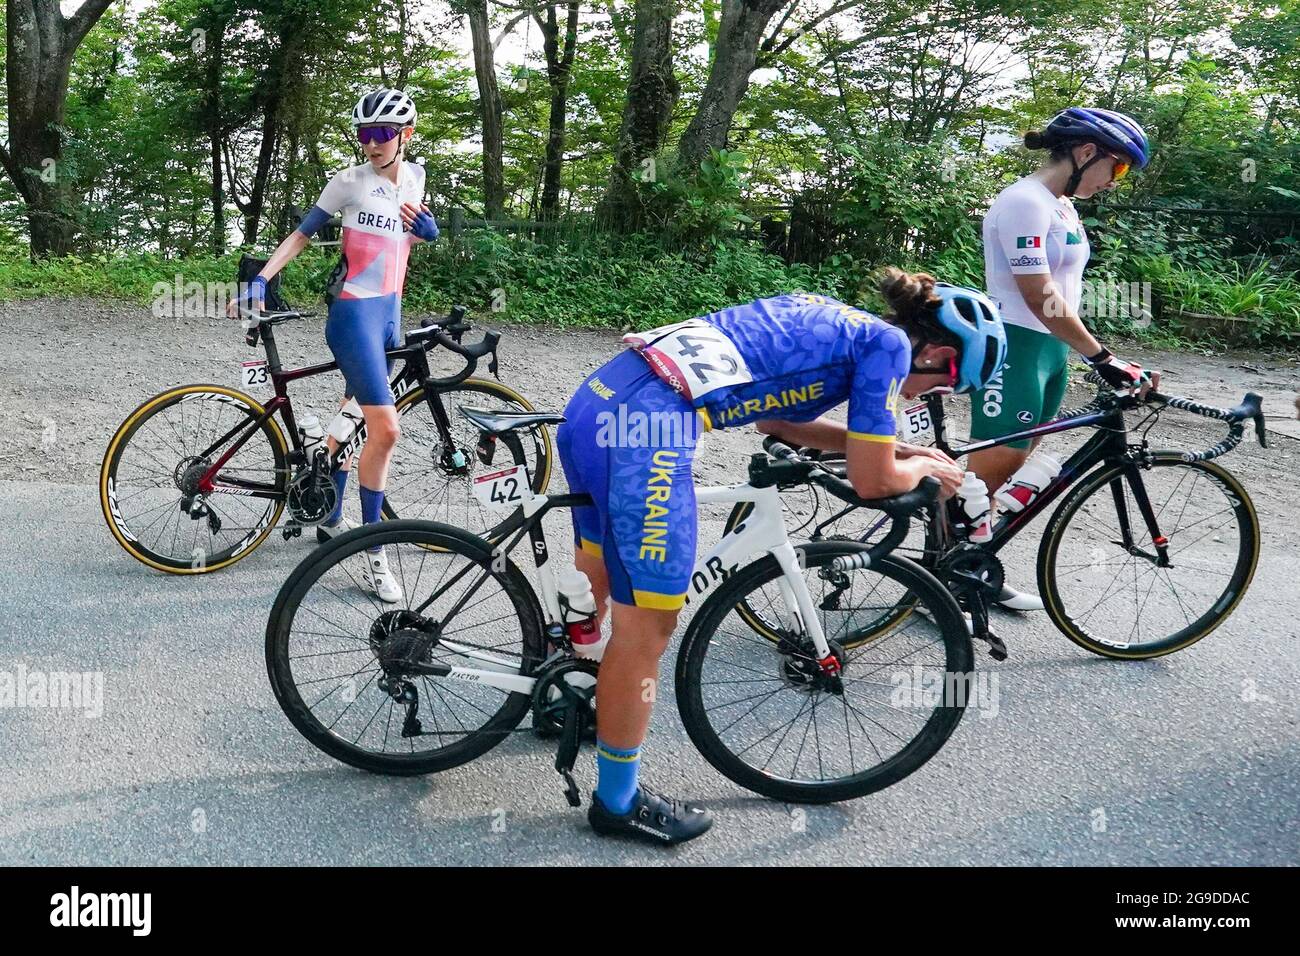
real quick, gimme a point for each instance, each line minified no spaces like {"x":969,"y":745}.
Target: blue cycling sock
{"x":616,"y":773}
{"x":372,"y":503}
{"x":340,"y":485}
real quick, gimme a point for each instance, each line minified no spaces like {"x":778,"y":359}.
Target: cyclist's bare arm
{"x":284,"y":253}
{"x":1044,"y":299}
{"x":874,"y":468}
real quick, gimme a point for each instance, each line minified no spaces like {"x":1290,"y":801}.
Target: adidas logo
{"x":379,"y":191}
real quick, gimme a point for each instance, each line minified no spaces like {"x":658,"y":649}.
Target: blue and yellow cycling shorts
{"x":628,"y":440}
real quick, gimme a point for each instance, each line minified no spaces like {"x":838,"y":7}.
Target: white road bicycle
{"x":852,"y":674}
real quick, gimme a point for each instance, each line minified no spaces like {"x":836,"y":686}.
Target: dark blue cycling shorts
{"x":629,"y":440}
{"x":358,"y":331}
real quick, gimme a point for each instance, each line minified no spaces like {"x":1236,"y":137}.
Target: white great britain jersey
{"x":375,"y":244}
{"x":1029,"y":231}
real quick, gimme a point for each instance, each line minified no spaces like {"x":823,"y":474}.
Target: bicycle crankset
{"x":312,"y":496}
{"x":971,"y":571}
{"x":564,"y":697}
{"x":975,"y":578}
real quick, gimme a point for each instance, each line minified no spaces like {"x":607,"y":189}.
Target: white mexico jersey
{"x":1029,"y":231}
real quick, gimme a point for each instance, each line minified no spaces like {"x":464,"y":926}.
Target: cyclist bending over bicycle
{"x":780,"y":363}
{"x":381,"y":202}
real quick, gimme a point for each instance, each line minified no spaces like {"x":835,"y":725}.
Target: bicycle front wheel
{"x":431,"y":475}
{"x":351,"y":672}
{"x":1112,"y":596}
{"x":763,"y":713}
{"x":153,"y":461}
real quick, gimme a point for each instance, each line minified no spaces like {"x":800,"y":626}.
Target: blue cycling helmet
{"x":1106,"y":127}
{"x":974,"y":319}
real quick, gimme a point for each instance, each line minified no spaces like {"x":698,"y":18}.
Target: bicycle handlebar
{"x":793,"y":468}
{"x":1251,"y":407}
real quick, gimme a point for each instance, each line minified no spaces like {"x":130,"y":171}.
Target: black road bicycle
{"x":1149,"y":552}
{"x":825,"y":706}
{"x":198,"y":476}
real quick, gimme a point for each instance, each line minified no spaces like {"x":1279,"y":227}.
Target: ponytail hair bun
{"x":1036,"y":139}
{"x":908,"y":294}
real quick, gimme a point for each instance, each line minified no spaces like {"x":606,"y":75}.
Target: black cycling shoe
{"x":653,"y":818}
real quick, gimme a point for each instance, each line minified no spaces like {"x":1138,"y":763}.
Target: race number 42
{"x":503,"y":490}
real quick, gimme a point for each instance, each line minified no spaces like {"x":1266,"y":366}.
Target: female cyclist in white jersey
{"x":1035,"y":250}
{"x":381,"y":204}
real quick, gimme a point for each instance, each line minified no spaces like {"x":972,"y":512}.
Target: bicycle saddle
{"x":494,"y":423}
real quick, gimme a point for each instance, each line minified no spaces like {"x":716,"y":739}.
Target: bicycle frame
{"x":413,"y":372}
{"x":1109,"y":444}
{"x":762,"y":531}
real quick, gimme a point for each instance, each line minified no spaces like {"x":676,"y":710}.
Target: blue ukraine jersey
{"x":800,"y":356}
{"x":792,"y":357}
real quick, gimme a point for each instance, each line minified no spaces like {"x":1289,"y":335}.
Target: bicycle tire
{"x":430,"y":538}
{"x":111,"y":483}
{"x":1220,"y":608}
{"x":703,"y":638}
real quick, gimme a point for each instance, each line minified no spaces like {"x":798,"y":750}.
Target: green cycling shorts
{"x":1027,"y":392}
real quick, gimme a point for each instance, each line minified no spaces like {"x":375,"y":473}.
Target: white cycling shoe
{"x":325,"y":532}
{"x":379,"y":579}
{"x":1012,"y":600}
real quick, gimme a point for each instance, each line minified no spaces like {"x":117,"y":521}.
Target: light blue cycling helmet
{"x":974,"y":319}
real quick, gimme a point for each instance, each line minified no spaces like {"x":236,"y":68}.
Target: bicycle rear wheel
{"x":155,"y":456}
{"x":1116,"y":601}
{"x":341,"y":662}
{"x":763,"y":715}
{"x":426,"y":481}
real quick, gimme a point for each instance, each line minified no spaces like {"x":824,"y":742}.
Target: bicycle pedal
{"x":997,"y":647}
{"x":571,"y":793}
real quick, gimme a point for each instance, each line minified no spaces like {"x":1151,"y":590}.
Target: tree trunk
{"x":212,"y":121}
{"x":739,"y":34}
{"x":275,"y":87}
{"x":485,"y":72}
{"x":652,"y":90}
{"x":39,"y":47}
{"x":559,"y":66}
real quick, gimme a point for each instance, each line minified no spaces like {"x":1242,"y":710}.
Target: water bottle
{"x":1028,"y":483}
{"x":312,"y":435}
{"x":974,"y":495}
{"x":346,"y":422}
{"x":579,"y":609}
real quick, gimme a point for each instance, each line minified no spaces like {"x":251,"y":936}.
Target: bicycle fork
{"x":1131,"y":473}
{"x":800,"y":612}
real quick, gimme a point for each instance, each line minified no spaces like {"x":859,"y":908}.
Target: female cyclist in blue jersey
{"x":781,"y":364}
{"x":1035,"y":250}
{"x":381,"y":204}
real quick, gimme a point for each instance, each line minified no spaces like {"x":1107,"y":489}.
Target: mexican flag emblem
{"x":1029,"y":242}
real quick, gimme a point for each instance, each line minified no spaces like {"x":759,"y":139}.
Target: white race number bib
{"x":503,"y":490}
{"x":692,"y":356}
{"x":917,"y":423}
{"x":255,"y":376}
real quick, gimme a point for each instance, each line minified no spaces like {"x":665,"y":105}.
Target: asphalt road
{"x":1189,"y":759}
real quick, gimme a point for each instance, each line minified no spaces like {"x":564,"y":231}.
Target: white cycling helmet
{"x":384,"y":107}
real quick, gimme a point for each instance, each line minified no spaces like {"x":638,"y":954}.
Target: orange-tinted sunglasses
{"x":1122,"y":166}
